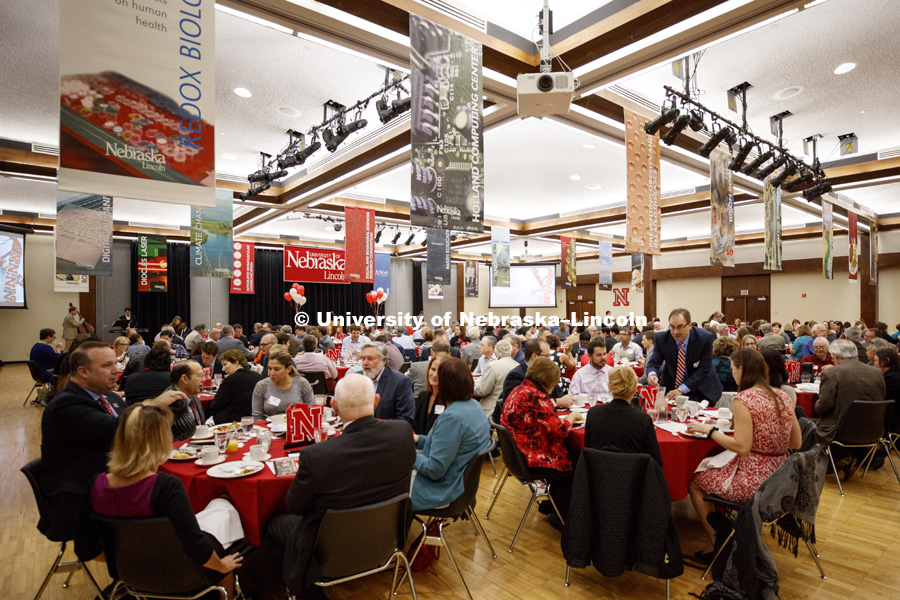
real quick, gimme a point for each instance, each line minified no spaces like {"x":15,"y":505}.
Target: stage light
{"x":789,"y":170}
{"x":396,"y":238}
{"x":823,"y":187}
{"x":335,"y":138}
{"x":771,"y":168}
{"x":725,"y":133}
{"x":665,"y":118}
{"x":696,"y":120}
{"x":793,"y":184}
{"x":425,"y":242}
{"x":386,"y":111}
{"x":299,"y":157}
{"x":257,"y":177}
{"x":409,"y":240}
{"x":401,"y":106}
{"x":338,"y":226}
{"x":738,"y":161}
{"x":759,"y":160}
{"x":255,"y":191}
{"x":378,"y":235}
{"x":672,"y":134}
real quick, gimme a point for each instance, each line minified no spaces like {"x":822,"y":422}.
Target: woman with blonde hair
{"x":120,"y":347}
{"x":132,"y":487}
{"x":426,"y":403}
{"x":283,"y":387}
{"x":178,"y":325}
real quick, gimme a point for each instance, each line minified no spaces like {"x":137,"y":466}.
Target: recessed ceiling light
{"x":589,"y":146}
{"x":575,"y":177}
{"x":862,"y":112}
{"x":788,"y":92}
{"x":228,"y":156}
{"x":243,"y":92}
{"x":844,"y":68}
{"x":289,"y":111}
{"x":594,"y":186}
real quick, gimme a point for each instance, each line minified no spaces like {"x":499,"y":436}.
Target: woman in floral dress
{"x":765,"y":427}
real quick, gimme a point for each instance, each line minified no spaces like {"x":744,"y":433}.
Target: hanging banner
{"x":137,"y":99}
{"x":382,"y":272}
{"x":66,"y":282}
{"x":605,"y":270}
{"x":500,"y":257}
{"x":435,"y":291}
{"x":772,"y":207}
{"x":447,"y":154}
{"x":637,"y":272}
{"x":854,"y":247}
{"x":152,"y":267}
{"x":471,"y":279}
{"x":643,"y":214}
{"x":243,"y":280}
{"x":84,"y":230}
{"x":873,"y":254}
{"x":212,"y":232}
{"x":721,"y":251}
{"x":567,"y":259}
{"x":827,"y":240}
{"x":437,"y":267}
{"x":359,"y":245}
{"x":313,"y":265}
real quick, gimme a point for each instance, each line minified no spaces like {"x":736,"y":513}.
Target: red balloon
{"x":300,"y":290}
{"x":296,"y":286}
{"x":370,"y":297}
{"x":378,"y":295}
{"x":287,"y":296}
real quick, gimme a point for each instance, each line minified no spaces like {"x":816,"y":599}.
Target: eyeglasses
{"x":678,"y":327}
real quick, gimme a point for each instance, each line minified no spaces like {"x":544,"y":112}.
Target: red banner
{"x":244,"y":257}
{"x":854,"y":246}
{"x":567,"y":257}
{"x":359,"y":263}
{"x":313,"y":265}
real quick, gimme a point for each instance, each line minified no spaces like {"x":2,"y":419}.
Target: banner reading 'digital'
{"x":447,"y":154}
{"x":212,"y":232}
{"x":153,"y":264}
{"x":137,"y":99}
{"x":644,"y":213}
{"x":359,"y":245}
{"x":84,"y":230}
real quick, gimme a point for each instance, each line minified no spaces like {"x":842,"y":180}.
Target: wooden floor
{"x":859,"y":540}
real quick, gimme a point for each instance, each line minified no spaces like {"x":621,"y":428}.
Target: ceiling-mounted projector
{"x":541,"y":94}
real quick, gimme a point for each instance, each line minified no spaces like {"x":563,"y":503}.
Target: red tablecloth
{"x":808,"y":401}
{"x":680,"y":456}
{"x":341,"y":371}
{"x":257,"y":498}
{"x":206,"y":399}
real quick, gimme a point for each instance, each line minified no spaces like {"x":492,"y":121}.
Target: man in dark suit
{"x":440,"y":334}
{"x":77,"y":430}
{"x":228,"y":341}
{"x":376,"y":459}
{"x":130,"y":318}
{"x":259,"y":330}
{"x":682,"y":360}
{"x":394,"y":389}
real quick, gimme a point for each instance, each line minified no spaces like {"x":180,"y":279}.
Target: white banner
{"x":137,"y":99}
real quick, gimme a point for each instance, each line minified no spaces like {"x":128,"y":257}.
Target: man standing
{"x":45,"y":354}
{"x":593,"y":378}
{"x":683,"y":356}
{"x":377,"y":458}
{"x":77,"y":430}
{"x":394,"y":390}
{"x":70,"y":325}
{"x":129,"y":317}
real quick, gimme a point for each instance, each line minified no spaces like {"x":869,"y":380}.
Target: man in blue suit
{"x":686,"y":352}
{"x":393,"y":390}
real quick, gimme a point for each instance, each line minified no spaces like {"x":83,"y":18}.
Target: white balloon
{"x":294,"y":295}
{"x":302,"y":300}
{"x":380,"y":290}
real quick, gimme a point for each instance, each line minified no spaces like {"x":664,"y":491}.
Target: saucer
{"x":263,"y":459}
{"x":220,"y":459}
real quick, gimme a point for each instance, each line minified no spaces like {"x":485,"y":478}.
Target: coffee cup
{"x":724,"y":413}
{"x":257,"y":452}
{"x":279,"y":419}
{"x":202,"y":431}
{"x":581,"y":399}
{"x":208,"y":455}
{"x":723,"y":423}
{"x":327,"y":413}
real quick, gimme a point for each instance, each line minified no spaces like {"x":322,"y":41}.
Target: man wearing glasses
{"x":262,"y":357}
{"x":682,"y":360}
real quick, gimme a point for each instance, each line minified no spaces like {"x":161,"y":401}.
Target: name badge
{"x":438,"y":408}
{"x":273,"y":401}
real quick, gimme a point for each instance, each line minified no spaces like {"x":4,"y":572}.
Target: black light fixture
{"x":668,"y":115}
{"x":378,"y":234}
{"x":397,"y":107}
{"x":299,"y":157}
{"x":822,"y":187}
{"x":793,"y":184}
{"x":672,"y":134}
{"x":255,"y":191}
{"x":759,"y":160}
{"x":789,"y":170}
{"x":338,"y":226}
{"x":335,"y":138}
{"x":425,"y":242}
{"x":409,"y":240}
{"x":771,"y":167}
{"x":738,"y":161}
{"x":396,"y":238}
{"x":696,"y":120}
{"x":724,"y":133}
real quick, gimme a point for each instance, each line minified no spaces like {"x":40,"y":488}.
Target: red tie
{"x":108,"y":407}
{"x":679,"y":373}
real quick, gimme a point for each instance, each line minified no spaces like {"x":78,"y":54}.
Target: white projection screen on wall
{"x":530,"y":286}
{"x":12,"y":268}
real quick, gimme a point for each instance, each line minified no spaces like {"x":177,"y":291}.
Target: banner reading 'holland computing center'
{"x":137,"y":99}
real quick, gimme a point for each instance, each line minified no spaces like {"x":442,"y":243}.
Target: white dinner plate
{"x":278,"y":428}
{"x":193,"y":454}
{"x":233,"y":470}
{"x":219,"y":459}
{"x":265,"y":458}
{"x":698,"y":435}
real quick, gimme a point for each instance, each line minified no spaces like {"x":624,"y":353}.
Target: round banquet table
{"x":680,"y":456}
{"x":257,"y":498}
{"x":206,"y":399}
{"x":807,"y":400}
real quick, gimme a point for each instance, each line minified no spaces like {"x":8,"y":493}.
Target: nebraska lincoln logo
{"x":313,"y":265}
{"x":620,"y":297}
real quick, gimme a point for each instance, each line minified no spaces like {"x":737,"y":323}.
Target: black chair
{"x":473,"y":364}
{"x":40,"y":381}
{"x":409,"y":355}
{"x":317,"y":380}
{"x":405,"y":367}
{"x":462,"y":507}
{"x":146,"y":557}
{"x":516,"y":466}
{"x":357,"y":542}
{"x":864,"y":425}
{"x":32,"y":472}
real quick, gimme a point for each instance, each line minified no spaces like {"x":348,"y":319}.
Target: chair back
{"x":512,"y":456}
{"x":32,"y":472}
{"x":146,"y":554}
{"x":405,"y":367}
{"x":36,"y":374}
{"x":864,"y":422}
{"x":317,"y":380}
{"x":473,"y":364}
{"x":471,"y":480}
{"x":409,"y":355}
{"x":357,"y":540}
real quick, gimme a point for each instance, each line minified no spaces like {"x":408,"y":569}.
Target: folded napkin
{"x":672,"y":426}
{"x":810,"y":388}
{"x":222,"y":520}
{"x":715,"y":462}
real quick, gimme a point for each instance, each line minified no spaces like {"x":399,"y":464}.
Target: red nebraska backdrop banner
{"x":314,"y":265}
{"x":359,"y":244}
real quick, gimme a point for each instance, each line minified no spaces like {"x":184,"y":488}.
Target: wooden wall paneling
{"x":868,"y":294}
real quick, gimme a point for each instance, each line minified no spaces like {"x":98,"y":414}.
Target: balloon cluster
{"x":376,"y":296}
{"x":295,"y":294}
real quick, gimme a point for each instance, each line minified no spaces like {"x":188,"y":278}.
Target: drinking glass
{"x":247,"y":425}
{"x":681,"y":413}
{"x":319,"y":399}
{"x":592,"y":400}
{"x":662,"y":408}
{"x":217,"y":380}
{"x":805,"y":377}
{"x":320,"y":434}
{"x":264,"y":438}
{"x":222,"y":441}
{"x":654,"y":414}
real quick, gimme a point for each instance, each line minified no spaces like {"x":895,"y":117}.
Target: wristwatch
{"x":709,"y":434}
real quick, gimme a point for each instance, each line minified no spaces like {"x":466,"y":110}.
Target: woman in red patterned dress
{"x":765,"y":427}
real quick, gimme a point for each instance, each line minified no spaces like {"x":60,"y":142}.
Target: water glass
{"x":264,"y":438}
{"x":681,"y":413}
{"x":222,"y":440}
{"x":805,"y":377}
{"x":662,"y":408}
{"x":654,"y":414}
{"x":592,"y":400}
{"x":247,"y":425}
{"x":217,"y":380}
{"x":320,"y":434}
{"x":319,"y":399}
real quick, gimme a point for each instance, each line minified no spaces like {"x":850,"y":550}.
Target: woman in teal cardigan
{"x":459,"y":433}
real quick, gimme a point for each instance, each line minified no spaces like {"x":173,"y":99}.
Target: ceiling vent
{"x":45,"y":149}
{"x":456,"y":12}
{"x":893,"y":153}
{"x":654,"y":108}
